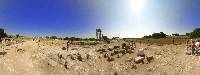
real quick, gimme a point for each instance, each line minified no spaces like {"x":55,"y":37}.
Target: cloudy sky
{"x":123,"y":18}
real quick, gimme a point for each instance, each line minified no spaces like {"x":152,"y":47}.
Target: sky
{"x":119,"y":18}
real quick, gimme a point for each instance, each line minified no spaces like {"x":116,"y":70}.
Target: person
{"x":141,"y":52}
{"x":193,"y":48}
{"x":134,"y":44}
{"x":68,"y":44}
{"x":140,"y":43}
{"x":188,"y":45}
{"x":197,"y":43}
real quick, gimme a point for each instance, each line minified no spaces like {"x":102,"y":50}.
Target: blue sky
{"x":123,"y":18}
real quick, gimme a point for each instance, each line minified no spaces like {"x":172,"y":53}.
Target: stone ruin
{"x":98,"y":34}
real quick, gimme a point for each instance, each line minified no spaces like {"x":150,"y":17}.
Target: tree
{"x":147,"y":36}
{"x":72,"y":38}
{"x":2,"y":33}
{"x":66,"y":38}
{"x":47,"y":37}
{"x":195,"y":33}
{"x":187,"y":34}
{"x":91,"y":39}
{"x":53,"y":37}
{"x":163,"y":35}
{"x":106,"y":39}
{"x":158,"y":35}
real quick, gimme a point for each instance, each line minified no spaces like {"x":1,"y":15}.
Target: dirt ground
{"x":43,"y":58}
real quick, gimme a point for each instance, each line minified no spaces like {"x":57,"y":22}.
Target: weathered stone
{"x":83,"y":55}
{"x":150,"y":69}
{"x":149,"y":58}
{"x":116,"y":47}
{"x":69,"y":63}
{"x":123,"y":45}
{"x":119,"y":55}
{"x":106,"y":55}
{"x":133,"y":66}
{"x":112,"y":54}
{"x":110,"y":49}
{"x":74,"y":57}
{"x":110,"y":59}
{"x":129,"y":51}
{"x":188,"y":53}
{"x":74,"y":49}
{"x":20,"y":50}
{"x":116,"y":51}
{"x":63,"y":48}
{"x":3,"y":53}
{"x":115,"y":73}
{"x":52,"y":62}
{"x":139,"y":60}
{"x":101,"y":50}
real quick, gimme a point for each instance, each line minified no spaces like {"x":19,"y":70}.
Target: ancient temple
{"x":98,"y":34}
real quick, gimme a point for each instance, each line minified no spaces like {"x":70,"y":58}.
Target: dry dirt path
{"x":20,"y":63}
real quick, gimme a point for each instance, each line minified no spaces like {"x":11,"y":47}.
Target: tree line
{"x":194,"y":34}
{"x":156,"y":35}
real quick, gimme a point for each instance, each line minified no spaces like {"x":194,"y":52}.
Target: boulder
{"x":101,"y":50}
{"x":129,"y":51}
{"x":149,"y":58}
{"x":138,"y":60}
{"x":123,"y":45}
{"x":119,"y":55}
{"x":74,"y":57}
{"x":63,"y":48}
{"x":52,"y":62}
{"x":110,"y":49}
{"x":3,"y":53}
{"x":110,"y":59}
{"x":69,"y":63}
{"x":188,"y":53}
{"x":20,"y":50}
{"x":81,"y":56}
{"x":106,"y":55}
{"x":116,"y":47}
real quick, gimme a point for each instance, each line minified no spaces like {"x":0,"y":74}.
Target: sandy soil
{"x":32,"y":58}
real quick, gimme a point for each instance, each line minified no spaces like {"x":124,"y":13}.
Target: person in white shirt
{"x":197,"y":43}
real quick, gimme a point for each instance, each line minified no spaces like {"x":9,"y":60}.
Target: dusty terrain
{"x":48,"y":58}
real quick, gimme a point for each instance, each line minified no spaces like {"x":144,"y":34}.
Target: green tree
{"x":47,"y":37}
{"x":163,"y":35}
{"x":195,"y":33}
{"x":66,"y":38}
{"x":158,"y":35}
{"x":2,"y":34}
{"x":187,"y":34}
{"x":106,"y":39}
{"x":91,"y":39}
{"x":147,"y":36}
{"x":53,"y":37}
{"x":17,"y":35}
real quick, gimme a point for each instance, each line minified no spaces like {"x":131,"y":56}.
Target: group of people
{"x":193,"y":46}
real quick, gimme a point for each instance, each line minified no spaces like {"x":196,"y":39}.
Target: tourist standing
{"x":193,"y":48}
